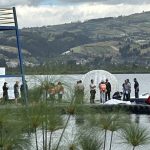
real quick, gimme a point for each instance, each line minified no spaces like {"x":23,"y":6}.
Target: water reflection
{"x":137,"y":118}
{"x":148,"y":116}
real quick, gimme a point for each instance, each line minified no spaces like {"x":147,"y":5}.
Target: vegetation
{"x":90,"y":140}
{"x":135,"y":135}
{"x":79,"y":69}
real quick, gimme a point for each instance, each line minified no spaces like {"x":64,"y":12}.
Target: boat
{"x":141,"y":99}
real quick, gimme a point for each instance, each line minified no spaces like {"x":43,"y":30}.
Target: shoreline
{"x":98,"y":108}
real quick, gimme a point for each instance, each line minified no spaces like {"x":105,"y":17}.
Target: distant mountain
{"x":115,"y":40}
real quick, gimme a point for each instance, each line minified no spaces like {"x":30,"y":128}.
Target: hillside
{"x":113,"y":40}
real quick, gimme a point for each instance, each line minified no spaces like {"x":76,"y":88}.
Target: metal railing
{"x":6,"y":17}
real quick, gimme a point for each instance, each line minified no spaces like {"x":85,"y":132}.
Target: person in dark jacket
{"x":5,"y":92}
{"x":136,"y":88}
{"x":22,"y":91}
{"x":108,"y":90}
{"x":117,"y":95}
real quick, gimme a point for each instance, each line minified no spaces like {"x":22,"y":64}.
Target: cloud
{"x":11,"y":3}
{"x":108,"y":1}
{"x":34,"y":16}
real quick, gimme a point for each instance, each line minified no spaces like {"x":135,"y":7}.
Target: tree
{"x":124,"y":50}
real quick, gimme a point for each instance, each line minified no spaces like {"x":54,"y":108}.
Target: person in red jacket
{"x":102,"y":89}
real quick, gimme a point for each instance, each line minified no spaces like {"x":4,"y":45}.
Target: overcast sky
{"x":33,"y":13}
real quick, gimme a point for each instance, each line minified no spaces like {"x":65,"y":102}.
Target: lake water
{"x":71,"y":135}
{"x":143,"y":79}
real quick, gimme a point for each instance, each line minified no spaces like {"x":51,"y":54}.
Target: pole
{"x":20,"y":57}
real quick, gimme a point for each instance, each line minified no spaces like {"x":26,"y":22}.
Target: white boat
{"x":144,"y":95}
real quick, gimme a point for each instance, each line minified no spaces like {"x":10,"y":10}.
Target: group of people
{"x":58,"y":89}
{"x":16,"y":89}
{"x":127,"y":89}
{"x":19,"y":91}
{"x":104,"y":89}
{"x":54,"y":90}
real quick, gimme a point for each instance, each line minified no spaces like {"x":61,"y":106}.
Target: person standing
{"x":127,"y":87}
{"x":79,"y":92}
{"x":22,"y":91}
{"x":92,"y":91}
{"x":136,"y":88}
{"x":102,"y":89}
{"x":52,"y":92}
{"x":60,"y":91}
{"x":16,"y":91}
{"x":124,"y":90}
{"x":5,"y":92}
{"x":108,"y":90}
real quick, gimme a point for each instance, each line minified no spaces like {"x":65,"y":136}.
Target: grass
{"x":90,"y":140}
{"x":135,"y":135}
{"x":12,"y":49}
{"x":99,"y":49}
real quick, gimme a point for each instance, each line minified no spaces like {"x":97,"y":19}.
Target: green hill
{"x":123,"y":39}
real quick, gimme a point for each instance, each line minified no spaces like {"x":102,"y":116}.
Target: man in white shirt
{"x":92,"y":91}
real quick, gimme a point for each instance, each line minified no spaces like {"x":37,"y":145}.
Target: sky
{"x":36,"y":13}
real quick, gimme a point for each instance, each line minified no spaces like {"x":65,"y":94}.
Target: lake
{"x":71,"y":135}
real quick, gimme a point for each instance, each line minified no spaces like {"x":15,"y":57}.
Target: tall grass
{"x":11,"y":135}
{"x":89,"y":139}
{"x":108,"y":121}
{"x":135,"y":135}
